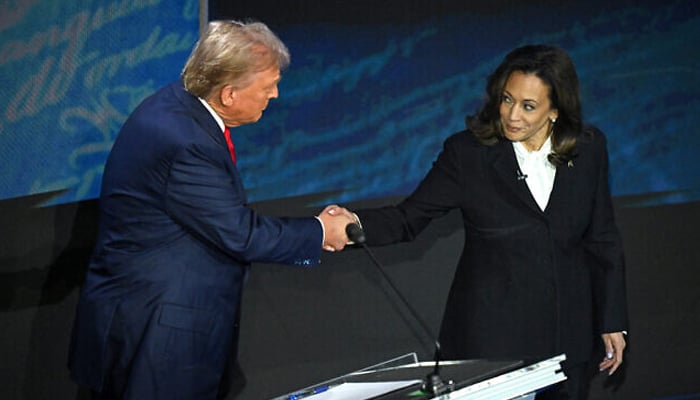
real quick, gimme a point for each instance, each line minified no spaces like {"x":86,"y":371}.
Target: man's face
{"x":245,"y":105}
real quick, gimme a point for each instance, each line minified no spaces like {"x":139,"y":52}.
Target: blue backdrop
{"x":365,"y":105}
{"x":70,"y":73}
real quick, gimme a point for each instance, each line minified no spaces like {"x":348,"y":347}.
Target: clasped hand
{"x":335,"y":219}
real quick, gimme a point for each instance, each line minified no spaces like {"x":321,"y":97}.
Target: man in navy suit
{"x":157,"y":317}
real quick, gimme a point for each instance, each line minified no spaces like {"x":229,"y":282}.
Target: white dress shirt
{"x":538,"y":171}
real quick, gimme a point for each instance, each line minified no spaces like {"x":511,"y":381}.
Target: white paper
{"x":361,"y":390}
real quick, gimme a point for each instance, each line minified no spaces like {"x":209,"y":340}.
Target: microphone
{"x":521,"y":176}
{"x":355,"y":233}
{"x":432,"y":383}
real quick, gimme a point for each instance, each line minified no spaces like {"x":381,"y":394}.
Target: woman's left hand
{"x":614,"y":348}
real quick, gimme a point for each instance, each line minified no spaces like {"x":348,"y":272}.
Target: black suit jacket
{"x":530,"y":283}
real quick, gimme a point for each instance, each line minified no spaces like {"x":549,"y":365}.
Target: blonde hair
{"x":229,"y":53}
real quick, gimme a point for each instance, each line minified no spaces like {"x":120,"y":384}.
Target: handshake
{"x":335,"y":220}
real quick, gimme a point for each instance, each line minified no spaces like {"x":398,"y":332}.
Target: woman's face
{"x":526,"y":110}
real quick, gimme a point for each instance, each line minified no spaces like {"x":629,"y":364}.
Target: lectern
{"x":401,"y":378}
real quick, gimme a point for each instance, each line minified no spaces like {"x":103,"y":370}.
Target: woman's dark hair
{"x":554,"y":67}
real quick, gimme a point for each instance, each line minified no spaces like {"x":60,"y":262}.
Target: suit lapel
{"x":505,"y":167}
{"x":209,"y":125}
{"x":562,"y":180}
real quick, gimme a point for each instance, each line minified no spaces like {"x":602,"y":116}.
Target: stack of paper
{"x":513,"y":384}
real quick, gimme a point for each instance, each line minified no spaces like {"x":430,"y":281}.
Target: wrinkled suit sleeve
{"x":206,"y":196}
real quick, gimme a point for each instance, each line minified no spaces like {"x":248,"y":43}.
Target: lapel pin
{"x":570,"y":164}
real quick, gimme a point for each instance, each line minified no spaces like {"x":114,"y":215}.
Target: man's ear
{"x":227,"y":95}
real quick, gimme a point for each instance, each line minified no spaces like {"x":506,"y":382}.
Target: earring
{"x":552,"y":120}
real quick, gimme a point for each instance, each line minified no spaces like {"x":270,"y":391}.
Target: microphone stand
{"x":432,"y":383}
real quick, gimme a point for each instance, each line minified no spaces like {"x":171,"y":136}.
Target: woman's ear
{"x":553,"y":115}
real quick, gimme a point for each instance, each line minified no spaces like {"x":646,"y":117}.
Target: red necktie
{"x":231,"y":149}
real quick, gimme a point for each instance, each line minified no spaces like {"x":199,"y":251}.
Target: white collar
{"x":523,"y":153}
{"x":213,"y":113}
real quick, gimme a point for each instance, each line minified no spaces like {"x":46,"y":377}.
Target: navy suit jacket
{"x":530,"y":283}
{"x":156,"y":317}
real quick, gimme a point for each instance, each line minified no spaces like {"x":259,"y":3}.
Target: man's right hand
{"x":335,"y":219}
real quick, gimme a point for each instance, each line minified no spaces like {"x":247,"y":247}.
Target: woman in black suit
{"x":542,"y":268}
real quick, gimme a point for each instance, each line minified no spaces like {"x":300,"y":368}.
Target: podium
{"x":401,"y":378}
